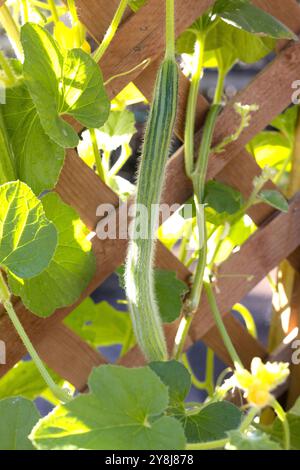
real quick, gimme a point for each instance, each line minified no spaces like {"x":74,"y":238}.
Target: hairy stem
{"x":170,"y":29}
{"x":189,"y":133}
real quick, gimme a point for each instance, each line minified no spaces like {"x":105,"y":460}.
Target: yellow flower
{"x":262,"y":379}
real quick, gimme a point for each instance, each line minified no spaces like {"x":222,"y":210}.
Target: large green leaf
{"x":212,"y":422}
{"x":176,"y":377}
{"x":123,"y":411}
{"x":244,"y":15}
{"x":226,"y":44}
{"x":38,"y":159}
{"x":17,"y":418}
{"x":27,"y":238}
{"x":62,"y":84}
{"x":252,"y":440}
{"x":99,"y":324}
{"x":169,"y":291}
{"x":70,"y":270}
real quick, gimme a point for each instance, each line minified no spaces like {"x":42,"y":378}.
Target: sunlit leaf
{"x":59,"y":85}
{"x":27,"y":238}
{"x":124,"y":410}
{"x":99,"y":324}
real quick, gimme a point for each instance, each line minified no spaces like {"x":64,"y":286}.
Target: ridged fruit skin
{"x":139,"y":274}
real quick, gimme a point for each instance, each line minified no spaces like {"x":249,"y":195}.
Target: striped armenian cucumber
{"x":139,"y":274}
{"x":7,"y":168}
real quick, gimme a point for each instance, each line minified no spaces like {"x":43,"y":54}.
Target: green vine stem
{"x":5,"y":65}
{"x":286,"y":428}
{"x":5,"y":296}
{"x":170,"y":30}
{"x":110,"y":33}
{"x":25,"y":11}
{"x":220,"y":86}
{"x":12,"y":30}
{"x":97,"y":157}
{"x":198,"y":179}
{"x":192,"y":103}
{"x":76,"y":23}
{"x":220,"y":324}
{"x":53,"y":9}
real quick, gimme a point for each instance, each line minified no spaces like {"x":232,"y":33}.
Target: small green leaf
{"x":38,"y":159}
{"x":176,"y":377}
{"x":274,"y":199}
{"x":123,"y":411}
{"x":27,"y":238}
{"x":222,"y":198}
{"x":59,"y":85}
{"x":70,"y":270}
{"x":169,"y":291}
{"x":252,"y":440}
{"x":226,"y":44}
{"x":242,"y":14}
{"x":17,"y":418}
{"x":212,"y":422}
{"x":99,"y":324}
{"x":135,"y":5}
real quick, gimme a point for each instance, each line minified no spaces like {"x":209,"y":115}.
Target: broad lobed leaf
{"x":122,"y":411}
{"x":70,"y":270}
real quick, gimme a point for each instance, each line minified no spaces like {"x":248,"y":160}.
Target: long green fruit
{"x":7,"y":168}
{"x":139,"y":276}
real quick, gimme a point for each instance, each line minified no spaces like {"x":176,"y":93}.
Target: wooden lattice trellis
{"x":278,"y":235}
